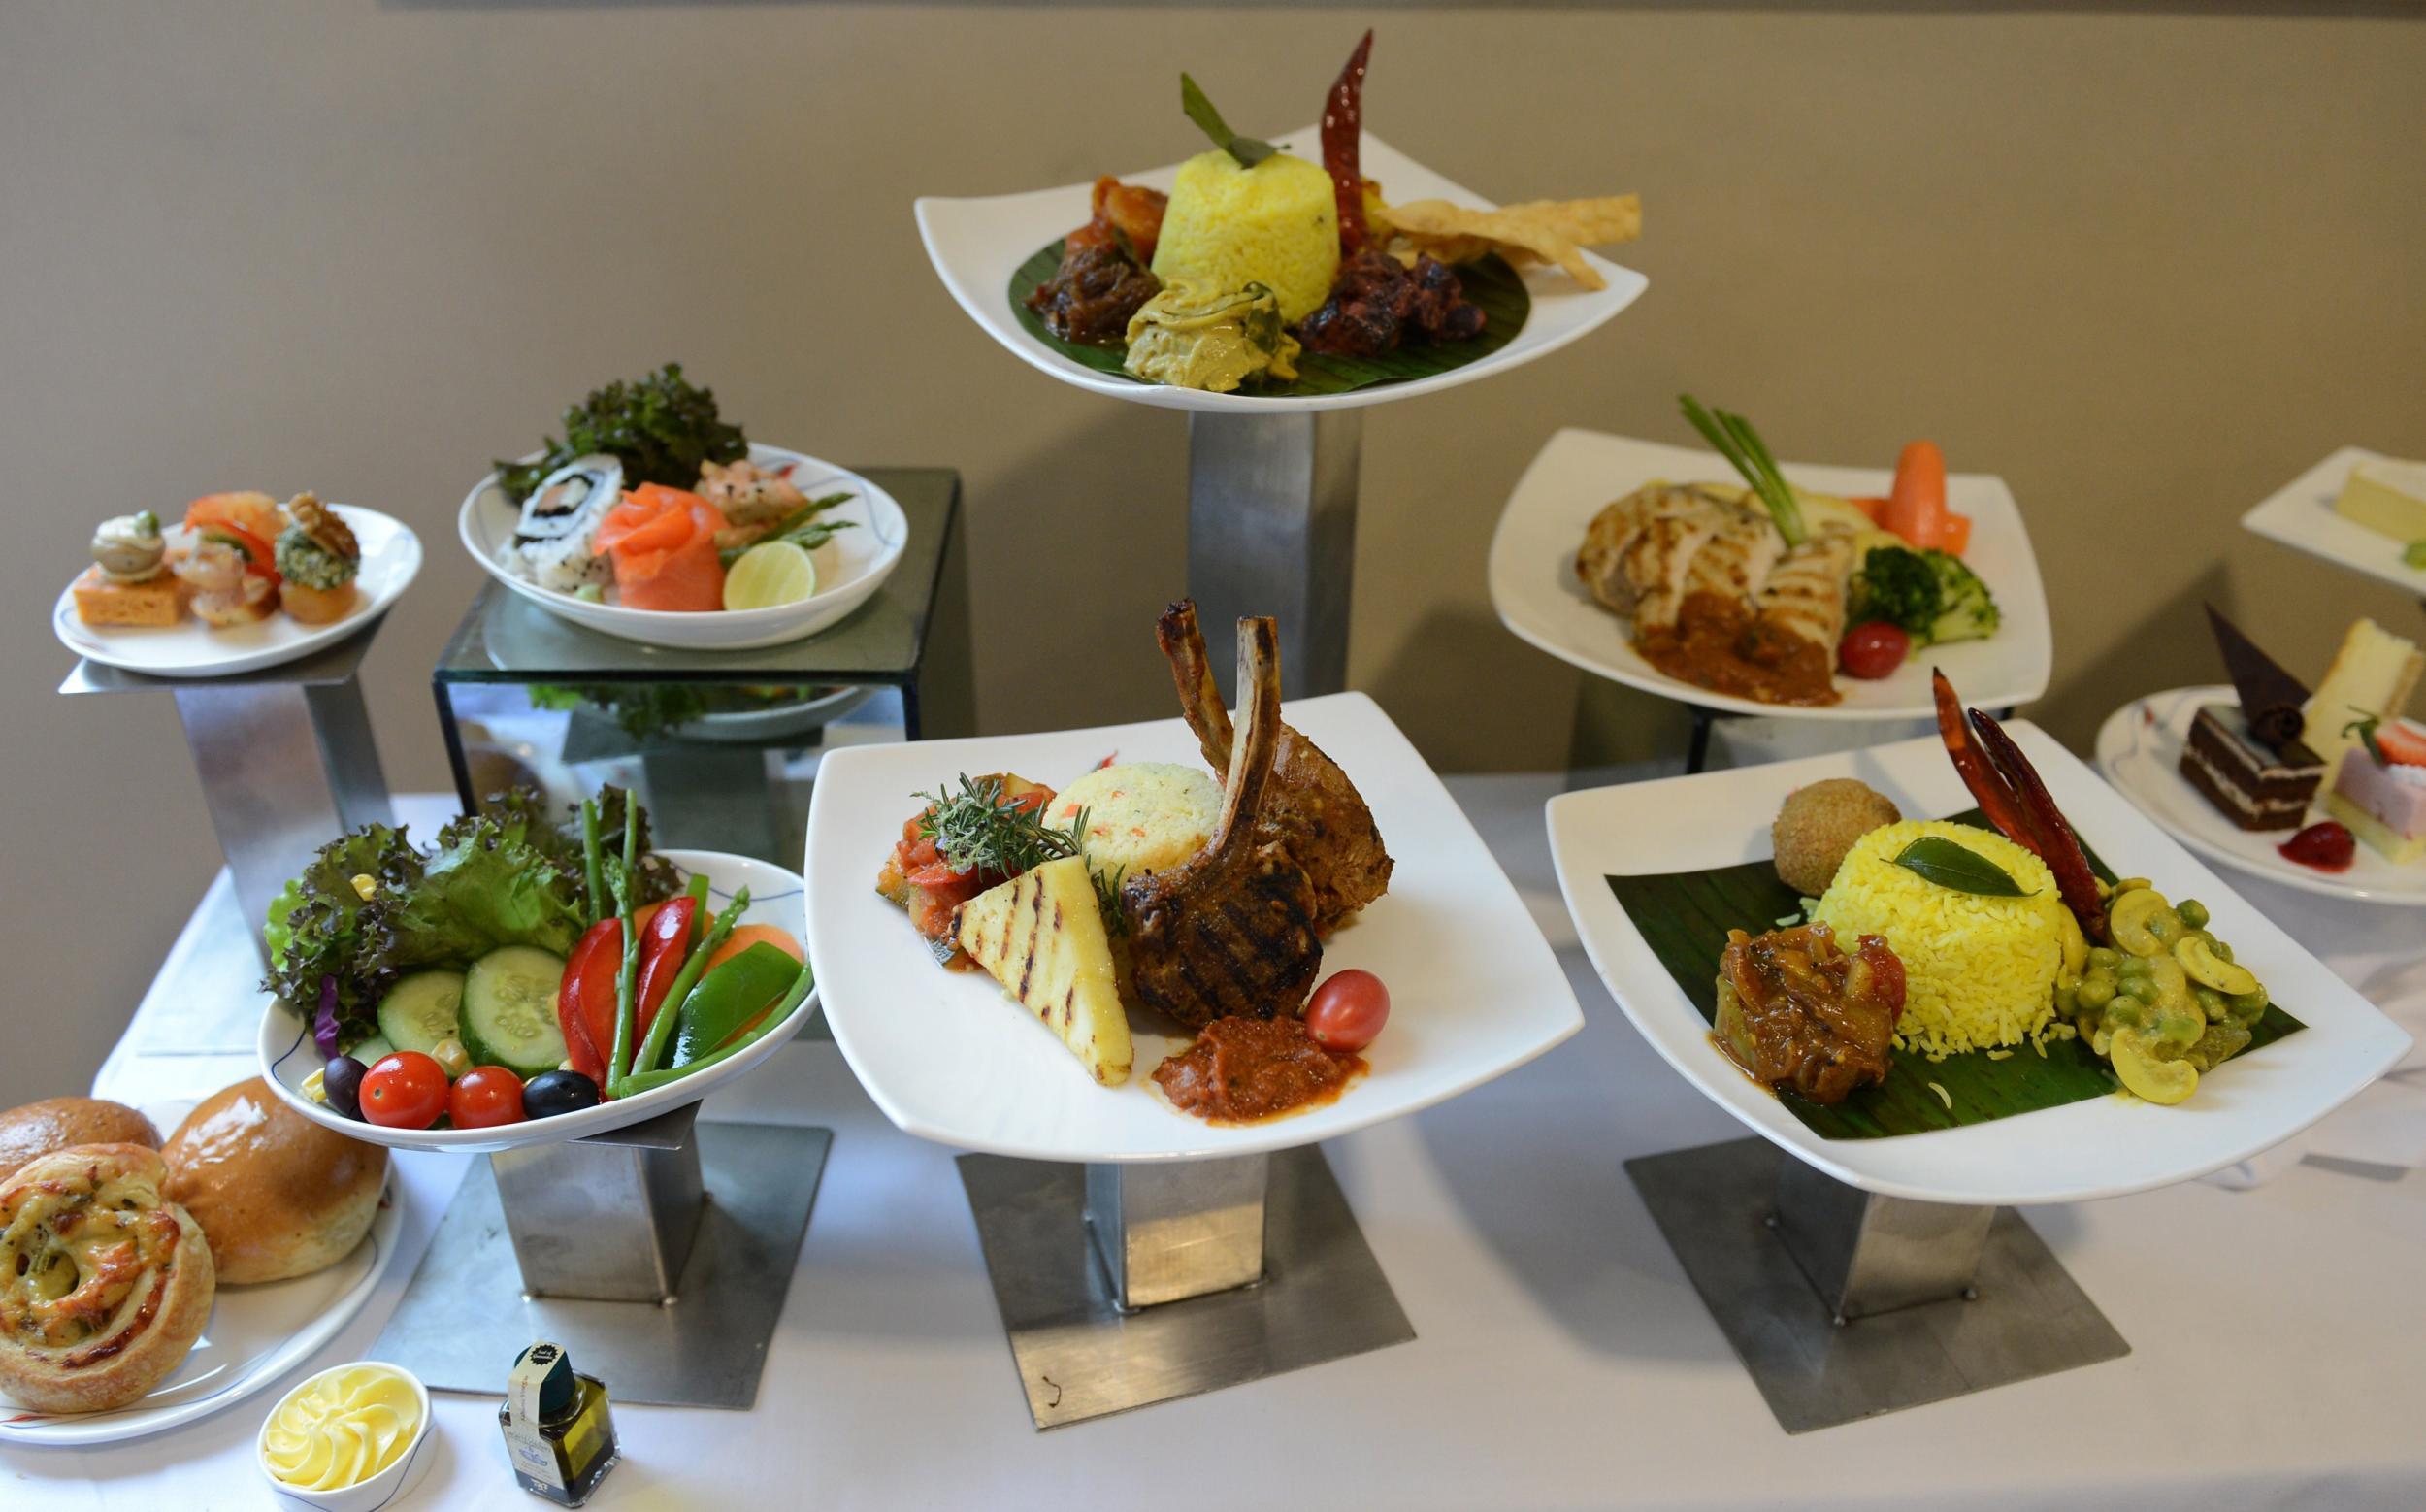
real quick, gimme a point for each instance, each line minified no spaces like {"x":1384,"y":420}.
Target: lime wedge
{"x":768,"y":573}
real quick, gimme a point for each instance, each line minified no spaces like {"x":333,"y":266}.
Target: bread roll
{"x":104,"y":1283}
{"x":278,"y":1195}
{"x":57,"y":1123}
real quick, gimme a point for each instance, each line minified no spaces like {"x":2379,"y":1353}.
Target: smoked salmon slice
{"x":663,"y":544}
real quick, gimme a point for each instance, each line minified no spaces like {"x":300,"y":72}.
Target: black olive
{"x":552,"y":1092}
{"x":340,"y":1081}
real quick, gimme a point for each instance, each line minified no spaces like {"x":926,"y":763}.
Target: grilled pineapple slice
{"x":1042,"y":935}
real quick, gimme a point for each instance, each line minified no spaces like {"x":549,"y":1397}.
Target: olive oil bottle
{"x":559,"y":1434}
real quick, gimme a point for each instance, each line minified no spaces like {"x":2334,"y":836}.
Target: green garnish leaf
{"x":1247,"y":151}
{"x":2414,"y":554}
{"x":1734,"y":438}
{"x":1933,"y":858}
{"x":2365,"y":727}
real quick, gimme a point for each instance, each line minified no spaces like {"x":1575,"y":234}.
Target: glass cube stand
{"x":722,"y":746}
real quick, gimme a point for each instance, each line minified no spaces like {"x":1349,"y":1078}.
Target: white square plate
{"x":2101,"y":1147}
{"x":977,"y":244}
{"x":2301,"y":515}
{"x":1474,"y":988}
{"x":1538,"y":595}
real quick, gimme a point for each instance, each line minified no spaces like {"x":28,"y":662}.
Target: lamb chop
{"x":1230,"y":931}
{"x":1313,"y":809}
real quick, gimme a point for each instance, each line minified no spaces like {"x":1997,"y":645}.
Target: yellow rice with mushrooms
{"x":1979,"y":972}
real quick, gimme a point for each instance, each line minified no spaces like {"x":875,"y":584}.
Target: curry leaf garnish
{"x":1247,"y":151}
{"x":1933,"y":858}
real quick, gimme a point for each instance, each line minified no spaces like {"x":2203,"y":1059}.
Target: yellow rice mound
{"x":1144,"y":816}
{"x":1979,"y":972}
{"x":1276,"y":224}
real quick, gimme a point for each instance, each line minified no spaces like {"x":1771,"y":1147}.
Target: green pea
{"x":2104,"y":958}
{"x":2128,"y":1013}
{"x":2193,"y":913}
{"x":2094,"y":992}
{"x":2211,"y":1002}
{"x":2143,"y":987}
{"x":2220,"y":950}
{"x":2132,"y":965}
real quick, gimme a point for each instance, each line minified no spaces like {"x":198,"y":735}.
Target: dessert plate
{"x":288,"y":1055}
{"x":850,"y":566}
{"x":255,"y":1335}
{"x":977,"y":244}
{"x":1538,"y":595}
{"x":1474,"y":988}
{"x":2138,"y":749}
{"x":2301,"y":515}
{"x":391,"y":556}
{"x":2104,"y":1146}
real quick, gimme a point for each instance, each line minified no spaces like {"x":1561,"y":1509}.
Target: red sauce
{"x":1719,"y":643}
{"x":1242,"y":1070}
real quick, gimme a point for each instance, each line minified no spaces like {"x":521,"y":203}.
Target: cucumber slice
{"x":509,"y":1010}
{"x":372,"y":1049}
{"x":420,"y":1010}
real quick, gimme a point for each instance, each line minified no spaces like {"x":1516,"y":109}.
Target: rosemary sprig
{"x":979,"y":827}
{"x":1734,"y":438}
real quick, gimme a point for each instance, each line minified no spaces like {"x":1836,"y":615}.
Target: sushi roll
{"x":553,"y":541}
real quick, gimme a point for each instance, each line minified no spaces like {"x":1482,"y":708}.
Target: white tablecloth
{"x":1561,"y":1360}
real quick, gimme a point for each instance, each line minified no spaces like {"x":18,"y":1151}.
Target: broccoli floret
{"x":1965,"y":611}
{"x":1897,"y":586}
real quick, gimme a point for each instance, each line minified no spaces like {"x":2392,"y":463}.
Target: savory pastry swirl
{"x":104,"y":1283}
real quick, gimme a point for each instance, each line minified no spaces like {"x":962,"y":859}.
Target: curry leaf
{"x":1247,"y":149}
{"x":1933,"y":858}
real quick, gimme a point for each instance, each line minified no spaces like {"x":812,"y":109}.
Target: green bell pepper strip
{"x":627,"y":979}
{"x":730,"y":996}
{"x":661,"y":1029}
{"x":651,"y":1081}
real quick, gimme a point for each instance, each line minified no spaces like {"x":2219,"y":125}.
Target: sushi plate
{"x":1534,"y":587}
{"x":2104,"y":1146}
{"x":850,"y":566}
{"x":391,"y":558}
{"x":287,"y":1054}
{"x":977,"y":244}
{"x":2138,"y":749}
{"x":1474,"y":988}
{"x":2301,"y":515}
{"x":255,"y":1335}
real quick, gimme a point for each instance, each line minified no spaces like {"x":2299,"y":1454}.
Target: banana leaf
{"x":1685,"y":917}
{"x":1489,"y":284}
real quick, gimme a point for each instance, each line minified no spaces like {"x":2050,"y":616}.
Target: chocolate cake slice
{"x":2255,"y":785}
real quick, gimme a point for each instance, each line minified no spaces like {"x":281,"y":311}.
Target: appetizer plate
{"x":288,"y":1055}
{"x":391,"y":555}
{"x":2139,"y":750}
{"x":741,"y":726}
{"x":1538,"y":595}
{"x":2301,"y":515}
{"x":977,"y":244}
{"x":2101,"y":1147}
{"x":850,"y":568}
{"x":1474,"y":988}
{"x":255,"y":1335}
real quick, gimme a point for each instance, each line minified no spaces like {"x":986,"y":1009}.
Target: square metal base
{"x":465,"y":1316}
{"x":1323,"y":1296}
{"x":2026,"y":1316}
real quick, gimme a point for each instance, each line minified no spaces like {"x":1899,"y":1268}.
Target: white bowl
{"x":381,"y":1489}
{"x":850,"y":568}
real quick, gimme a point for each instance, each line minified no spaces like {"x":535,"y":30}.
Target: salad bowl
{"x":288,"y":1055}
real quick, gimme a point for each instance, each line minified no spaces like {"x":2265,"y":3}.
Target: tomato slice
{"x":571,"y":1017}
{"x":665,"y":939}
{"x":596,"y":967}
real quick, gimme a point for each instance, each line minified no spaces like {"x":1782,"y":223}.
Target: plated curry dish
{"x":1765,"y":591}
{"x":1266,"y":272}
{"x":1197,"y":896}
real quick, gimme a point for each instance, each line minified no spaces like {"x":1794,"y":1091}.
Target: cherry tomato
{"x":1347,"y":1011}
{"x":486,"y":1097}
{"x":404,"y":1090}
{"x":1873,"y":650}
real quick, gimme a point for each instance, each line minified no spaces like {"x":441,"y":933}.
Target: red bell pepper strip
{"x":1343,"y":126}
{"x":663,"y":941}
{"x":572,"y":1018}
{"x":2061,"y":848}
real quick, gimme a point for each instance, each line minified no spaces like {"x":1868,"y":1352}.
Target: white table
{"x":1561,"y":1360}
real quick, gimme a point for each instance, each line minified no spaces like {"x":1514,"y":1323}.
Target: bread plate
{"x":287,"y":1054}
{"x":257,"y":1334}
{"x":2301,"y":515}
{"x":850,"y":568}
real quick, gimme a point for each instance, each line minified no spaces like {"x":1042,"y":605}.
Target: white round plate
{"x":255,"y":1335}
{"x":977,"y":244}
{"x":288,"y":1055}
{"x":391,"y":555}
{"x":743,"y":726}
{"x":1538,"y":595}
{"x":2301,"y":515}
{"x":2096,"y":1148}
{"x":850,"y":568}
{"x":1474,"y":988}
{"x":2138,"y":749}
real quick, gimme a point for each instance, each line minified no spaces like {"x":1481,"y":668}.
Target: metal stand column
{"x":1273,"y":530}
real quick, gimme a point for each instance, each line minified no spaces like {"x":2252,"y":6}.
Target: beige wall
{"x":2147,"y":266}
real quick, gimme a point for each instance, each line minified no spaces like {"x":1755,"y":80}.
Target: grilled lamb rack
{"x":1313,"y":809}
{"x":1230,"y":931}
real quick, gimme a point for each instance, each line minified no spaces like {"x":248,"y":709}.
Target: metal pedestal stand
{"x":657,"y":1255}
{"x":1845,"y":1304}
{"x":1124,"y":1284}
